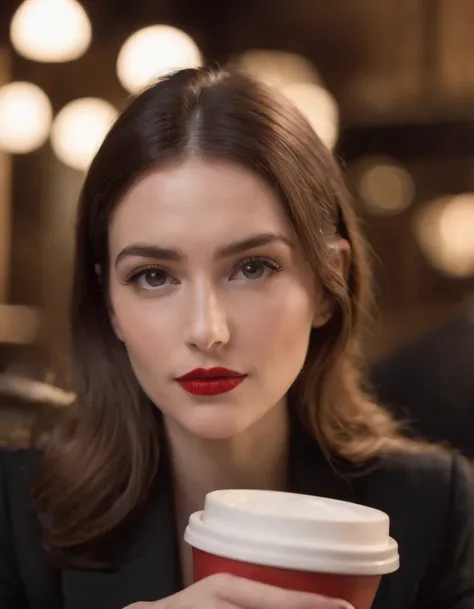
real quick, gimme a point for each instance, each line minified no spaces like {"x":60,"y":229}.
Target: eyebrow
{"x":144,"y":250}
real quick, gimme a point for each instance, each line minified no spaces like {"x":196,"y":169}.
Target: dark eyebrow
{"x":251,"y":242}
{"x":149,"y":251}
{"x":159,"y":253}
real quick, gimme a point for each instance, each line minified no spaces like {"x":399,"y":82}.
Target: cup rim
{"x":272,"y":552}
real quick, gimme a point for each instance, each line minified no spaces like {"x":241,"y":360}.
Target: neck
{"x":254,"y":459}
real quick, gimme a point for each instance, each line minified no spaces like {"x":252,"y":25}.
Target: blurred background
{"x":387,"y":84}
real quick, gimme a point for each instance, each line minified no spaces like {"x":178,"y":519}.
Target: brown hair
{"x":104,"y":456}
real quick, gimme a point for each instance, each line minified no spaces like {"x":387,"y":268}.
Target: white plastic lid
{"x":300,"y":532}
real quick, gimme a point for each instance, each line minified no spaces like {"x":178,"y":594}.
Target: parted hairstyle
{"x":101,"y":460}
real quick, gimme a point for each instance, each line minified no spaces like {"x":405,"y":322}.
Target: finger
{"x":254,"y":595}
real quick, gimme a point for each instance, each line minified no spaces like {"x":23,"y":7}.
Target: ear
{"x":115,"y":325}
{"x":345,"y":257}
{"x":325,"y":306}
{"x":324,"y":310}
{"x":112,"y":317}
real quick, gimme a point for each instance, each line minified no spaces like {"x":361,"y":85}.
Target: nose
{"x":208,"y":326}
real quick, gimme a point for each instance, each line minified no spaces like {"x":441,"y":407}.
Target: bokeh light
{"x":319,"y":107}
{"x":25,"y":117}
{"x":385,"y":187}
{"x":445,"y":230}
{"x":279,"y":69}
{"x":79,"y":129}
{"x":51,"y":30}
{"x":297,"y":78}
{"x":153,"y":52}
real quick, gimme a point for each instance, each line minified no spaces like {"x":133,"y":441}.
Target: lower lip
{"x":214,"y":386}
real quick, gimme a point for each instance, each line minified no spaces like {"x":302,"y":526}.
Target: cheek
{"x":282,"y":324}
{"x":141,"y":328}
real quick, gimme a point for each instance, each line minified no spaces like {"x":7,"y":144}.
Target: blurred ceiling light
{"x":79,"y":129}
{"x":445,"y":230}
{"x":299,"y":80}
{"x":25,"y":117}
{"x":153,"y":52}
{"x":319,"y":107}
{"x":277,"y":68}
{"x":385,"y":187}
{"x":51,"y":30}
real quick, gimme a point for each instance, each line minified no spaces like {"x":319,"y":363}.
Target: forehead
{"x":197,"y":200}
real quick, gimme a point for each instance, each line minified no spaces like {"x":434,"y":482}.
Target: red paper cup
{"x":298,"y":542}
{"x":359,"y":590}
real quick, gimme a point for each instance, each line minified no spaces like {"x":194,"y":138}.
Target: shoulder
{"x":432,"y":477}
{"x":26,"y":577}
{"x":18,"y":469}
{"x":425,"y":494}
{"x":433,"y":468}
{"x":423,"y":463}
{"x":436,"y":486}
{"x":19,"y":465}
{"x":29,"y":458}
{"x":429,"y":498}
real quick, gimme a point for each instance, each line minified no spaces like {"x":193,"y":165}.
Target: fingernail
{"x":343,"y":605}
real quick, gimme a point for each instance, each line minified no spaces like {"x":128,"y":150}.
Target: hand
{"x":225,"y":591}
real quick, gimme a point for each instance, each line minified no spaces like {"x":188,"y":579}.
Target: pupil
{"x":154,"y":278}
{"x":253,"y":268}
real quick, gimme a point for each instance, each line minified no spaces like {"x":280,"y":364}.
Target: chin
{"x":211,"y":425}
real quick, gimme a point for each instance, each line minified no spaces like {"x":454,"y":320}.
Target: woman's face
{"x":205,"y":272}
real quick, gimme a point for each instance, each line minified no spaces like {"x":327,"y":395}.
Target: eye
{"x":256,"y":269}
{"x":150,"y":278}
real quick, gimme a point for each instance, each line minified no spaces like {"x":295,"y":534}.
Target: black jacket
{"x":429,"y":498}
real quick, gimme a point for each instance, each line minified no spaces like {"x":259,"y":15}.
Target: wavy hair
{"x":104,"y":455}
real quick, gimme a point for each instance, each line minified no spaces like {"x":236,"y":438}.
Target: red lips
{"x":213,"y":381}
{"x":210,"y":373}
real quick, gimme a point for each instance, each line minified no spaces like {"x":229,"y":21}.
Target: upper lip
{"x":209,"y":373}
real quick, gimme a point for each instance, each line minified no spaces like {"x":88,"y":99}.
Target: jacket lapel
{"x":150,"y":570}
{"x":310,"y":472}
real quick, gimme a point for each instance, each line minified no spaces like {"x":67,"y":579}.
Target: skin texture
{"x":250,"y":310}
{"x":225,"y":591}
{"x":204,"y":310}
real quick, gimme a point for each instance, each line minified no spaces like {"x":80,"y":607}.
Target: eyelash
{"x":135,"y":275}
{"x":274,"y":267}
{"x":268,"y":262}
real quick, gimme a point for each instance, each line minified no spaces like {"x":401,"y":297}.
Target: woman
{"x":214,"y":232}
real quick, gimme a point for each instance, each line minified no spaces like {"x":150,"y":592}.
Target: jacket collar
{"x":150,"y":571}
{"x":311,"y":473}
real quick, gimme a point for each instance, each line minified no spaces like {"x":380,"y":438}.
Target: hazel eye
{"x":256,"y":269}
{"x":148,"y":280}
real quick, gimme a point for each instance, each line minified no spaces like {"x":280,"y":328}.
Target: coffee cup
{"x":298,"y":542}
